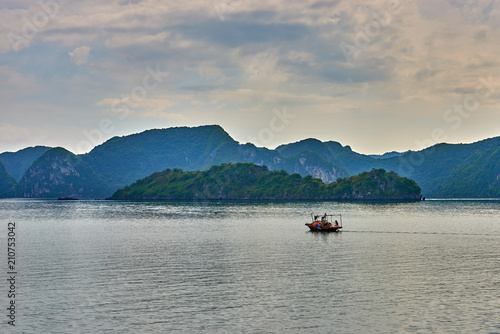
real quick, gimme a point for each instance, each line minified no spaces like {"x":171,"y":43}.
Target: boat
{"x":324,"y":223}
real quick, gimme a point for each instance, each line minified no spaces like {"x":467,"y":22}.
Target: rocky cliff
{"x":60,"y":173}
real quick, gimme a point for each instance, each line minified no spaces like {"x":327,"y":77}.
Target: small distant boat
{"x":324,"y":223}
{"x":67,"y":199}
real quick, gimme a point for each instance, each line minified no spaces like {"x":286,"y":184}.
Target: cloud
{"x":136,"y":38}
{"x":14,"y":83}
{"x":80,"y":55}
{"x":259,"y":55}
{"x":147,"y":107}
{"x":235,"y":33}
{"x":12,"y":133}
{"x":162,"y":114}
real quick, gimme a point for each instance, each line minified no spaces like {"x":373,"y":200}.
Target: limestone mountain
{"x":60,"y":173}
{"x":17,"y":163}
{"x":453,"y":170}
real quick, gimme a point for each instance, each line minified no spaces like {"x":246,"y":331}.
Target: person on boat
{"x":336,"y":223}
{"x":325,"y":222}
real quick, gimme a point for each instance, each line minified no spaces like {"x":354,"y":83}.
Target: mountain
{"x":477,"y":176}
{"x":247,"y":181}
{"x":312,"y":153}
{"x":340,"y":157}
{"x":7,"y":183}
{"x":123,"y":160}
{"x":388,"y":155}
{"x":60,"y":173}
{"x":16,"y":163}
{"x":443,"y":170}
{"x":453,"y":170}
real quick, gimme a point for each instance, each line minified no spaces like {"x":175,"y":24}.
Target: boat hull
{"x":318,"y":228}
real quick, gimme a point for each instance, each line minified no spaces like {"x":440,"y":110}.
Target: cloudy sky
{"x":376,"y":75}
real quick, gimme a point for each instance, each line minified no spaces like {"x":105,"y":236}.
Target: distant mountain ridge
{"x":443,"y":170}
{"x":388,"y":155}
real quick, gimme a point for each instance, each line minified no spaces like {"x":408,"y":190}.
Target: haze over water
{"x":225,"y":267}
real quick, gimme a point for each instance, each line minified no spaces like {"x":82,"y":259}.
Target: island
{"x":248,"y":181}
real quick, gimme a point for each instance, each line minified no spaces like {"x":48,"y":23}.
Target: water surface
{"x":225,"y":267}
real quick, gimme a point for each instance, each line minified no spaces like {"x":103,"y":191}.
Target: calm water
{"x":99,"y":266}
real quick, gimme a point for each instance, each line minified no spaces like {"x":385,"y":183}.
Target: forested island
{"x":247,"y":181}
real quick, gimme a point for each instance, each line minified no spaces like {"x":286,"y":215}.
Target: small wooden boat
{"x":324,"y":224}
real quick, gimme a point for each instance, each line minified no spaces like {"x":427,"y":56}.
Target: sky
{"x":379,"y":76}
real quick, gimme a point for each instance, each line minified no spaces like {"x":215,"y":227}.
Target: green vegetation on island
{"x":247,"y":181}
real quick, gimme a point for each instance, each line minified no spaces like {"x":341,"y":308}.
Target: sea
{"x":249,"y":267}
